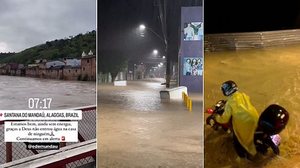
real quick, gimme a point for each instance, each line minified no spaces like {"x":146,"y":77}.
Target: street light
{"x":155,"y":52}
{"x":142,"y":27}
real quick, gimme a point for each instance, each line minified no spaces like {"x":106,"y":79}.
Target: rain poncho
{"x":244,"y":119}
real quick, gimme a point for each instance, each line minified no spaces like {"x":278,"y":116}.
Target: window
{"x":87,"y":61}
{"x":83,"y":69}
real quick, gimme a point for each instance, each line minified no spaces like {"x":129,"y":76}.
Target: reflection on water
{"x":137,"y":130}
{"x":268,"y":76}
{"x":140,"y":96}
{"x":15,"y":92}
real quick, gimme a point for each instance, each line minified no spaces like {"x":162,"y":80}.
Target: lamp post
{"x":142,"y":28}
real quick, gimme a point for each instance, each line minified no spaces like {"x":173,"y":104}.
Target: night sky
{"x":248,"y":16}
{"x":118,"y":20}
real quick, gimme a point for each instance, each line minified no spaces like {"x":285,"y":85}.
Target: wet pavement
{"x":136,"y":129}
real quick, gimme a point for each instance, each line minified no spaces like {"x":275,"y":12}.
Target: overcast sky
{"x":26,"y":23}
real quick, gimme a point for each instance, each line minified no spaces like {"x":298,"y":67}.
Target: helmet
{"x":229,"y":87}
{"x":273,"y":120}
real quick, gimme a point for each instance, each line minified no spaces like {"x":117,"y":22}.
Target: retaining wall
{"x":250,"y":40}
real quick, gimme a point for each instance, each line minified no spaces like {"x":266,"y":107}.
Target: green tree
{"x":55,"y":49}
{"x":112,"y":62}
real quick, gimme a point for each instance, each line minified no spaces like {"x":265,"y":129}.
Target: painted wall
{"x":191,"y":49}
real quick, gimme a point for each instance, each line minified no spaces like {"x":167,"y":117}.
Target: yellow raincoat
{"x":244,"y":119}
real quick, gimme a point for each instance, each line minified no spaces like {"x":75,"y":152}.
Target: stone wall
{"x":250,"y":40}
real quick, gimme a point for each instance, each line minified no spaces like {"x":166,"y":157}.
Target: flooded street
{"x":268,"y":76}
{"x":136,"y":129}
{"x":15,"y":92}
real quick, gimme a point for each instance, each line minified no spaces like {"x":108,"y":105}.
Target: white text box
{"x":38,"y":131}
{"x":40,"y":115}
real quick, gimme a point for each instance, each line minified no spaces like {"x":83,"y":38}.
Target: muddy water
{"x":136,"y":129}
{"x":15,"y":92}
{"x":268,"y":76}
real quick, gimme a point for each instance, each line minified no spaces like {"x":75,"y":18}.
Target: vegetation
{"x":112,"y":61}
{"x":53,"y":50}
{"x":5,"y":55}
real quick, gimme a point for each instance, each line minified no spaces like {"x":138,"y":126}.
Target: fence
{"x":58,"y":158}
{"x":86,"y":131}
{"x":250,"y":40}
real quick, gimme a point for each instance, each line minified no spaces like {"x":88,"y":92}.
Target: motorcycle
{"x":271,"y":122}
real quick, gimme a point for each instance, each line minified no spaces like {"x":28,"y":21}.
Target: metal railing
{"x":86,"y":131}
{"x":82,"y":152}
{"x":250,"y":40}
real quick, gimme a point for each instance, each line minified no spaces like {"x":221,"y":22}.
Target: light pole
{"x":142,"y":28}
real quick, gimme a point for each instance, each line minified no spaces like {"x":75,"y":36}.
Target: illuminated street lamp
{"x":142,"y":27}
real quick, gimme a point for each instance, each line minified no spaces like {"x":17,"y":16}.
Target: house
{"x":11,"y":68}
{"x":67,"y":68}
{"x":56,"y":72}
{"x":2,"y":69}
{"x":20,"y":70}
{"x":32,"y":70}
{"x":71,"y":73}
{"x":88,"y":66}
{"x":73,"y":62}
{"x":50,"y":64}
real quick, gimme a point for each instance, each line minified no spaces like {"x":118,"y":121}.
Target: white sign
{"x":41,"y":131}
{"x":40,"y":115}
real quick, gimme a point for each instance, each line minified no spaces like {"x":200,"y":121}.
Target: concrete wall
{"x":190,"y":50}
{"x":71,"y":73}
{"x":250,"y":40}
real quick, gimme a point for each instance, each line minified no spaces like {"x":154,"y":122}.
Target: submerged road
{"x":136,"y":129}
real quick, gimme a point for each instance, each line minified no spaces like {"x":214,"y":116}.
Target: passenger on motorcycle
{"x":244,"y":118}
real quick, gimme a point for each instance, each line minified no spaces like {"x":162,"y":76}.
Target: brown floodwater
{"x":15,"y":92}
{"x":270,"y":75}
{"x":136,"y":129}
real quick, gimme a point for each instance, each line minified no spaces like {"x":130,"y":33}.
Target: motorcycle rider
{"x":244,"y":118}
